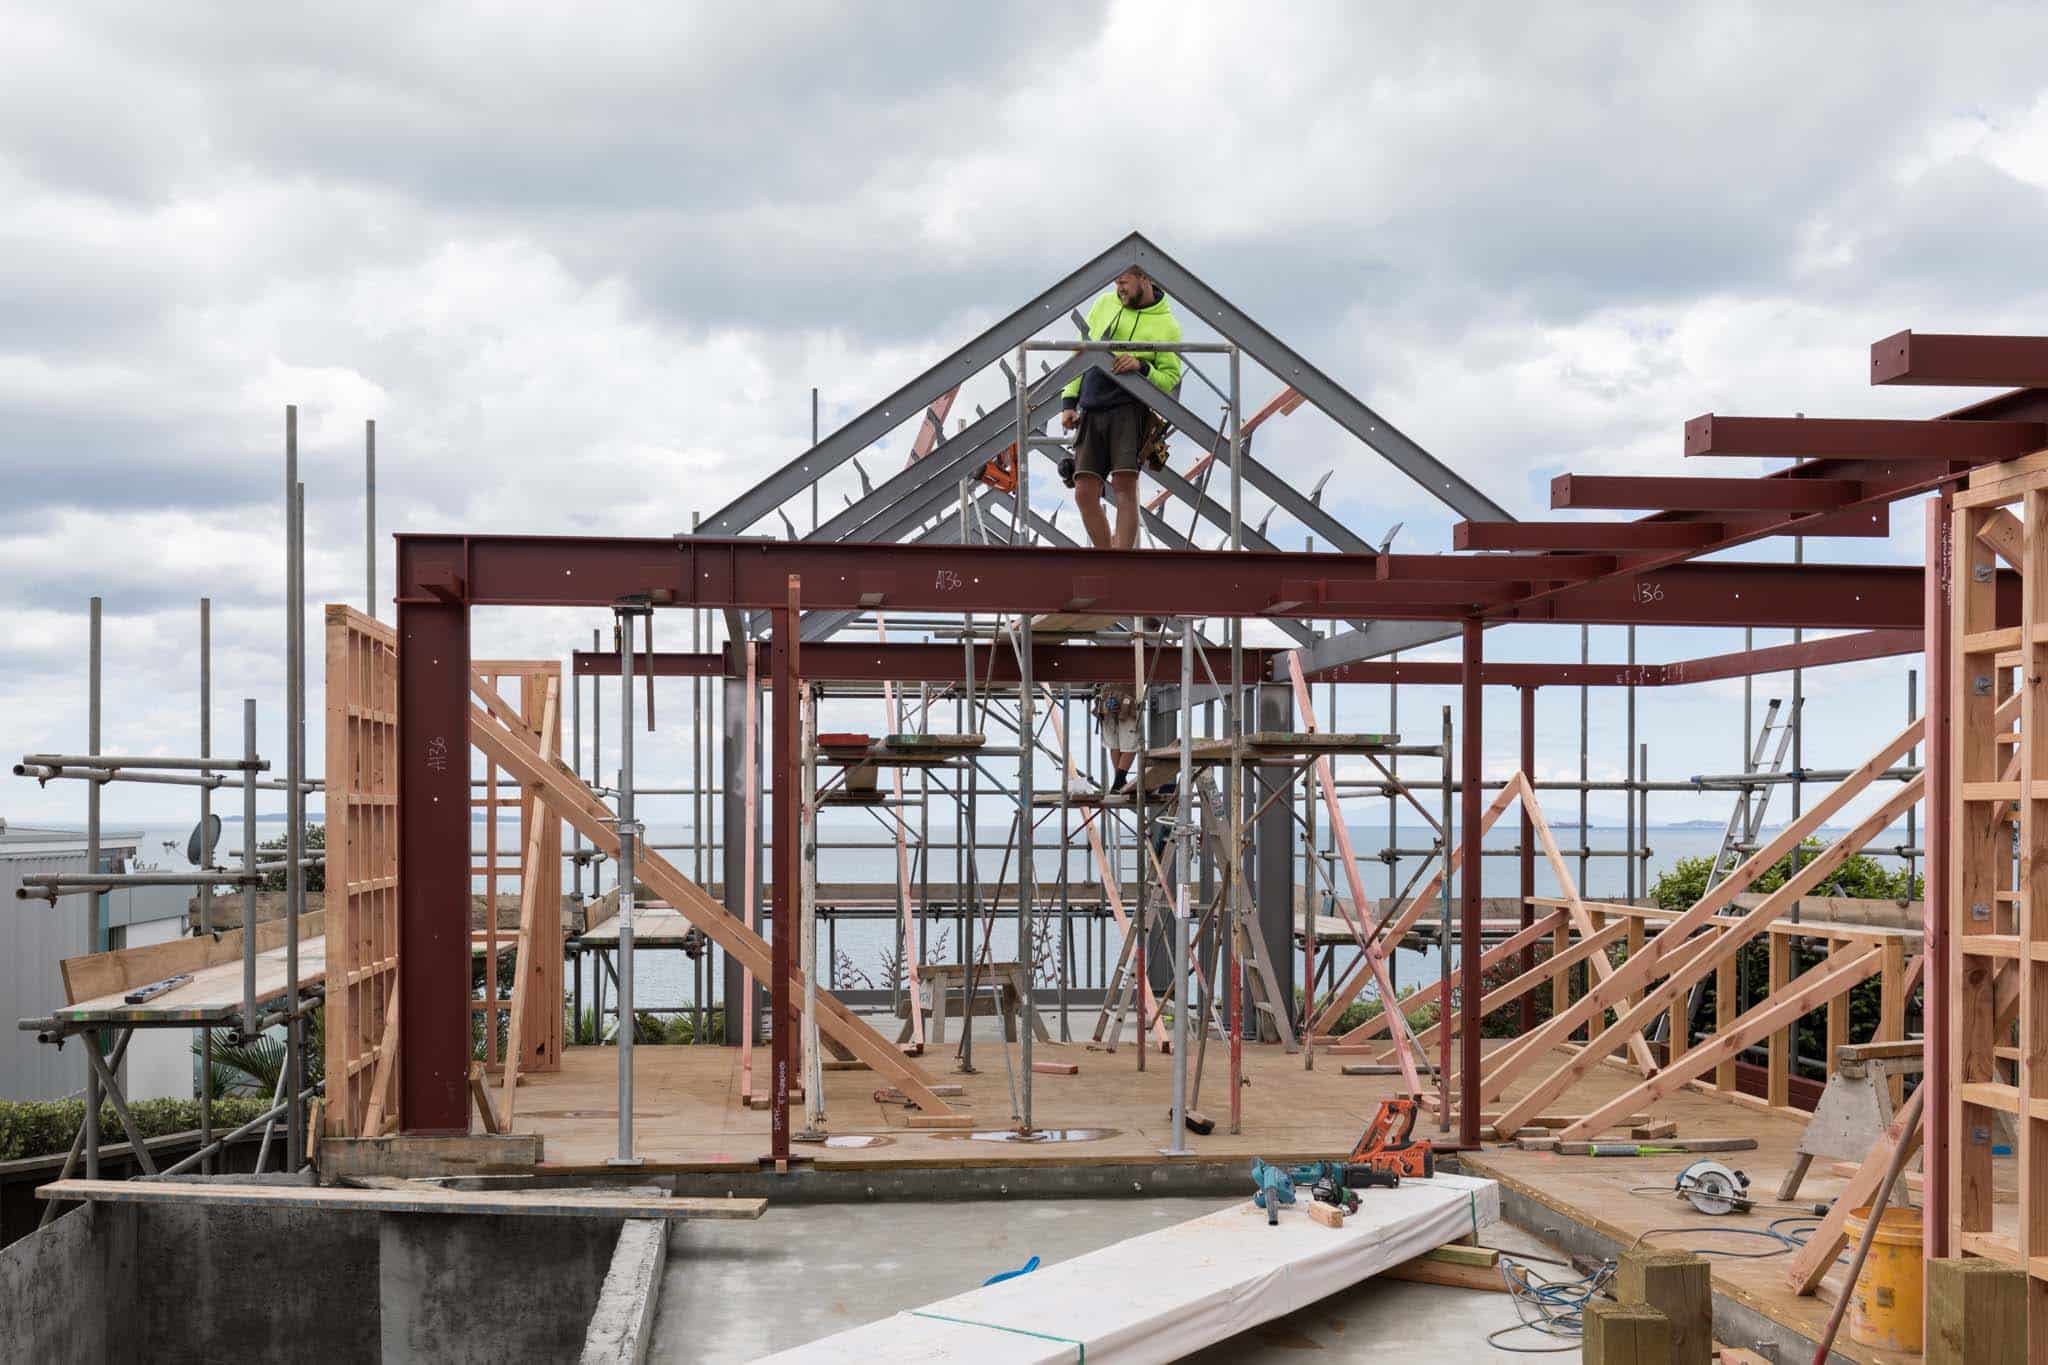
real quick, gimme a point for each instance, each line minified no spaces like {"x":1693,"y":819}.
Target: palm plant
{"x":253,"y":1067}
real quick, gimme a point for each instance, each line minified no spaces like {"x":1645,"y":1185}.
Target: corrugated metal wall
{"x":34,"y":938}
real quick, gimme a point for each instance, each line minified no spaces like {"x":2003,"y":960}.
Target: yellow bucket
{"x":1885,"y":1305}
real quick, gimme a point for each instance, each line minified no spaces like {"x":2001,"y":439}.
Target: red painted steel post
{"x":1528,"y":963}
{"x":1468,"y":917}
{"x":1935,"y":971}
{"x":434,"y":853}
{"x":788,"y":864}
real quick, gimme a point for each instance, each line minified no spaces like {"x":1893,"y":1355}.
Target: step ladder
{"x":1271,"y":1017}
{"x":1746,"y":817}
{"x":1745,"y":822}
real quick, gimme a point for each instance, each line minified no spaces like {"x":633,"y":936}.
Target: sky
{"x":585,"y":272}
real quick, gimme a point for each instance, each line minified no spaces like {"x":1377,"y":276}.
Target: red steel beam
{"x":1835,"y":649}
{"x":1702,"y":495}
{"x":1829,"y":596}
{"x":1881,"y":481}
{"x":1824,"y":437}
{"x":1504,"y":568}
{"x":910,"y":661}
{"x":1583,"y":535}
{"x":1871,"y":521}
{"x":572,"y":571}
{"x":1911,"y":357}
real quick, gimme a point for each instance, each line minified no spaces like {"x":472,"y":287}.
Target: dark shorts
{"x":1108,"y":440}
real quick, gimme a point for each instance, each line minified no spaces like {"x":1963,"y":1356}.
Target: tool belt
{"x":1152,"y":441}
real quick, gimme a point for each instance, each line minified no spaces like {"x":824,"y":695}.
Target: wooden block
{"x":1366,"y":1068}
{"x":1329,"y":1215}
{"x":1053,"y":1069}
{"x":939,"y":1121}
{"x":1645,"y":1132}
{"x":766,"y":1101}
{"x":1625,"y":1334}
{"x":483,"y":1099}
{"x":1461,"y":1267}
{"x":834,"y":1064}
{"x":1680,"y":1285}
{"x":1534,"y":1144}
{"x":510,"y":1154}
{"x":1976,"y":1312}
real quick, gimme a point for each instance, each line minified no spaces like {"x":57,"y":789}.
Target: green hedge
{"x":30,"y":1128}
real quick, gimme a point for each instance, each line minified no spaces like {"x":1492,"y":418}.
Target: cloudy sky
{"x":584,"y":273}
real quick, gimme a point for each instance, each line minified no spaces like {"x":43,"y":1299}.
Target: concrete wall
{"x":255,"y":1284}
{"x":64,"y":1291}
{"x":490,"y":1290}
{"x":190,"y":1283}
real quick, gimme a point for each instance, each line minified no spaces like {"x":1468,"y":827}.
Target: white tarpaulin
{"x":1170,"y":1292}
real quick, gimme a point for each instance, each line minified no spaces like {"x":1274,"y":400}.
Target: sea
{"x":858,"y":949}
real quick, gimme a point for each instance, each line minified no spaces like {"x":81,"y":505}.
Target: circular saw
{"x":1713,"y":1188}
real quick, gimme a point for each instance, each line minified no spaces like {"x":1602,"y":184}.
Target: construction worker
{"x":1115,"y":429}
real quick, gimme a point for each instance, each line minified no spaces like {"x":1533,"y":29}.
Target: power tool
{"x":1328,"y":1182}
{"x":1388,"y":1145}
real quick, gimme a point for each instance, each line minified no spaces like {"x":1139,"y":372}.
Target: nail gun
{"x":1388,"y":1143}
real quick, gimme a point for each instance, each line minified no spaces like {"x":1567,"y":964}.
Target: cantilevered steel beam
{"x":1584,"y":535}
{"x":1830,"y":596}
{"x":1702,"y":495}
{"x":1834,"y":649}
{"x":1817,"y":437}
{"x":696,"y":571}
{"x":1911,"y":357}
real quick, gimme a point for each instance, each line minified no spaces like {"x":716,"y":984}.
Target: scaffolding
{"x":1016,"y":623}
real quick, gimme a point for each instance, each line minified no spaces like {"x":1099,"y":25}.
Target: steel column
{"x":733,"y":807}
{"x":1273,"y":848}
{"x":1471,"y":694}
{"x":1528,"y":851}
{"x":433,"y":848}
{"x":629,"y":834}
{"x":784,"y":840}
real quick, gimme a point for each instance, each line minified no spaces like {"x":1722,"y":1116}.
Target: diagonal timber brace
{"x":574,"y":801}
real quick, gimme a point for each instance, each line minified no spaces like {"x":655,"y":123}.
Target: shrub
{"x":316,"y":877}
{"x":31,"y":1128}
{"x":1859,"y":876}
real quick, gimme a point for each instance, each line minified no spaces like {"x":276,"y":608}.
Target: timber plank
{"x":336,"y":1199}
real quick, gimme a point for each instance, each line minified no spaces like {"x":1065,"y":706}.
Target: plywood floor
{"x":688,"y":1117}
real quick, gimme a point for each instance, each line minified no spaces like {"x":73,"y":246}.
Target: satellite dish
{"x":210,"y":831}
